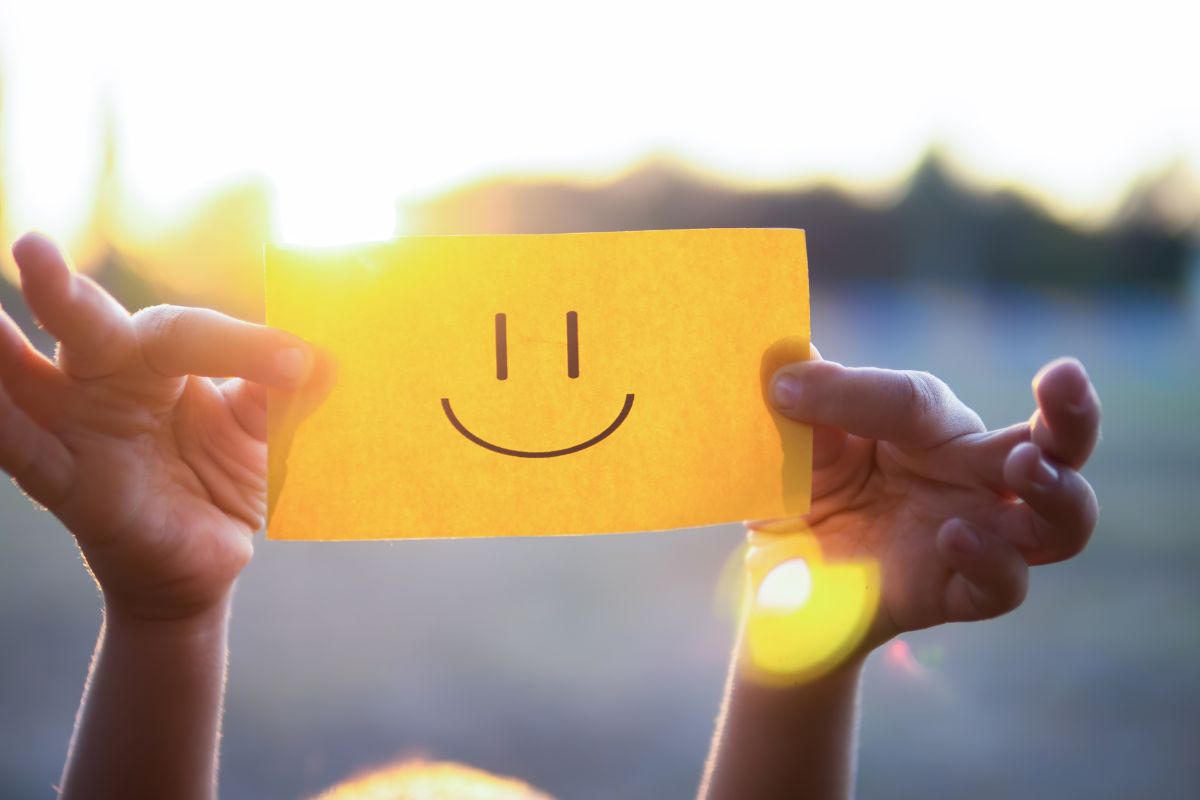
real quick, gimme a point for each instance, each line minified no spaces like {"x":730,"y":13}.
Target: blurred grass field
{"x":592,"y":667}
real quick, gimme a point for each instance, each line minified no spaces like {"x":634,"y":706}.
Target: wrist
{"x":842,"y":676}
{"x":775,"y":714}
{"x":198,"y":623}
{"x":792,"y":738}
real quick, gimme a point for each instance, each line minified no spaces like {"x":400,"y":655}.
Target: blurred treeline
{"x":935,"y":226}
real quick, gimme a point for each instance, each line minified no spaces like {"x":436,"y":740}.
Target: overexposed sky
{"x":348,"y":107}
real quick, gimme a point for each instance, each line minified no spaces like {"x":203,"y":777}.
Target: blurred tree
{"x":1166,"y":197}
{"x":214,"y":255}
{"x":211,"y":255}
{"x":98,"y":251}
{"x":1157,"y":228}
{"x":939,"y":228}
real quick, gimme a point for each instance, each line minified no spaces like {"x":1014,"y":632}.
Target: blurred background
{"x":984,"y":186}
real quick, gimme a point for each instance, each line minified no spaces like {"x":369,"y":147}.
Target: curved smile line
{"x":495,"y":448}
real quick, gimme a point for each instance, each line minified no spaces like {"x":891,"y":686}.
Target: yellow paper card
{"x":535,"y":385}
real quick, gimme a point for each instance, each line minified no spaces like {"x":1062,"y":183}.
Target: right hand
{"x":159,"y":472}
{"x":955,"y":514}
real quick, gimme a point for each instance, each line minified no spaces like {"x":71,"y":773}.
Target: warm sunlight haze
{"x":349,"y":112}
{"x":478,"y":282}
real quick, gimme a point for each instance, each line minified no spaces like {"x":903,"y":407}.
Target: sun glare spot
{"x":786,"y":587}
{"x":333,"y":211}
{"x":803,"y":614}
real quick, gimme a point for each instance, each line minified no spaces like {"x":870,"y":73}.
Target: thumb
{"x":829,"y":442}
{"x":909,"y":409}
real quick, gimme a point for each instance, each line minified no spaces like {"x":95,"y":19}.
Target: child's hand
{"x":160,"y":474}
{"x":955,"y":514}
{"x":906,"y":475}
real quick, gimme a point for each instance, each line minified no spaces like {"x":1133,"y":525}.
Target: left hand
{"x":159,"y":472}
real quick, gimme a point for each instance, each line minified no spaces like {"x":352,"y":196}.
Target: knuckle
{"x":1014,"y":595}
{"x":157,"y":324}
{"x":1074,"y":545}
{"x":108,"y":321}
{"x":1081,"y":514}
{"x":1011,"y":600}
{"x":1088,"y":504}
{"x":924,"y":393}
{"x":1075,"y":540}
{"x":1005,"y":597}
{"x":157,"y":320}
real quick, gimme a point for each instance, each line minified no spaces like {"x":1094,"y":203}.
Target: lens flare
{"x":899,"y":657}
{"x":785,"y":588}
{"x":436,"y":780}
{"x":802,"y":614}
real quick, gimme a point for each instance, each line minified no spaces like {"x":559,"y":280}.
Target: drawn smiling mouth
{"x":508,"y":451}
{"x":502,"y":375}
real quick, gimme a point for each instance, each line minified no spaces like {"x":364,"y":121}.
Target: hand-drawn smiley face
{"x":463,"y":414}
{"x":502,"y":374}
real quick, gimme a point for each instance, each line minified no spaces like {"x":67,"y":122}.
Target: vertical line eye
{"x":501,"y":347}
{"x":572,"y":344}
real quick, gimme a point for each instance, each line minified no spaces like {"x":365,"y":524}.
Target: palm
{"x":165,"y":477}
{"x":891,"y":512}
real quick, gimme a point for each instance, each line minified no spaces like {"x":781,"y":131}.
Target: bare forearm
{"x":785,"y":741}
{"x":149,"y":721}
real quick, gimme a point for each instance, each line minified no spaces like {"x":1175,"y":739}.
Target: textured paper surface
{"x":623,"y":389}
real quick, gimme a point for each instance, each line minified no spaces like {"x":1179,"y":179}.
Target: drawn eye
{"x":572,"y":344}
{"x":501,"y":347}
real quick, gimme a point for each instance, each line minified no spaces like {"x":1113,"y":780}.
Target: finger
{"x":984,"y":456}
{"x":910,"y":409}
{"x":35,"y":458}
{"x":1059,"y":511}
{"x":179,"y":341}
{"x":32,"y":382}
{"x":93,"y":330}
{"x":1067,"y":423}
{"x":248,"y":403}
{"x":989,"y":575}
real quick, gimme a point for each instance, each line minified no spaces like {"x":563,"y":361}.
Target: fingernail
{"x":965,"y":540}
{"x":291,"y":365}
{"x":1044,"y":477}
{"x":785,"y":391}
